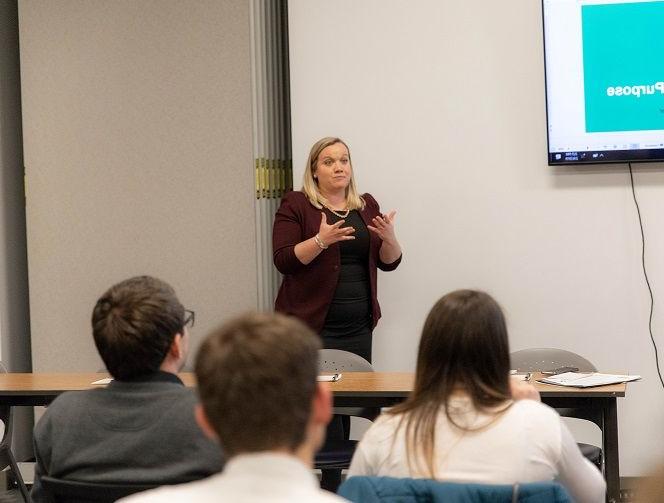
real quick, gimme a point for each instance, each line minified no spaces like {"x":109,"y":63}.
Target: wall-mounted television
{"x":604,"y":67}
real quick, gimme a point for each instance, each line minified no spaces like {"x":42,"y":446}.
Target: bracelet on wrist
{"x":320,"y":243}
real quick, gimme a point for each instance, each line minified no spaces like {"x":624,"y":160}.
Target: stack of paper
{"x":105,"y":380}
{"x":587,"y":380}
{"x":329,"y":378}
{"x":521,"y":377}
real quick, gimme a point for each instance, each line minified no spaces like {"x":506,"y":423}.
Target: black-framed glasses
{"x":189,"y":318}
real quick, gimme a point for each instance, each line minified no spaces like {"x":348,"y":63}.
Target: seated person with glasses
{"x":140,"y":429}
{"x":464,"y":421}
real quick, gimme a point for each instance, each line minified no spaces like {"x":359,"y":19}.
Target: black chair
{"x":336,"y":454}
{"x":547,"y":359}
{"x":6,"y":455}
{"x":71,"y":491}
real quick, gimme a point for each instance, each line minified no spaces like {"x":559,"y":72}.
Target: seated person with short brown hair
{"x":257,"y":382}
{"x":140,"y":429}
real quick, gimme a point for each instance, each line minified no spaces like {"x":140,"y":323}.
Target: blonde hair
{"x":310,"y":185}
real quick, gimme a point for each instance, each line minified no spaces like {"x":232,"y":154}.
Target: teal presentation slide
{"x":623,"y":65}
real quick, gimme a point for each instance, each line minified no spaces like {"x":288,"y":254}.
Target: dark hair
{"x":256,"y":380}
{"x":463,"y":346}
{"x":134,"y":324}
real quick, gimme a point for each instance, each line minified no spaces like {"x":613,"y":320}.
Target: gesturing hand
{"x":330,"y":234}
{"x":383,"y":226}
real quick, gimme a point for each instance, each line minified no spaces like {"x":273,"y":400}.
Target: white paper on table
{"x":328,"y":378}
{"x":587,"y":380}
{"x":105,"y":380}
{"x":520,"y":377}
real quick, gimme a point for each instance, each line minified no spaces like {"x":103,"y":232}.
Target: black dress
{"x":348,"y":322}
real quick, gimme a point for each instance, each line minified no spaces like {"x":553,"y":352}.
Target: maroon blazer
{"x":307,"y":290}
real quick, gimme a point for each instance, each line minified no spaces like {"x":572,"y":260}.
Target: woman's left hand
{"x":383,"y":226}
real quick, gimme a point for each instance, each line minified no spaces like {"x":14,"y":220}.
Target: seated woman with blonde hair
{"x":464,"y":421}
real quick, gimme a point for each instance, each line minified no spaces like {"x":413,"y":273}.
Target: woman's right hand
{"x":330,"y":234}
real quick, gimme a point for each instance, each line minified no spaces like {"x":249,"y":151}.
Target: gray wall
{"x":14,"y":314}
{"x":138,"y":157}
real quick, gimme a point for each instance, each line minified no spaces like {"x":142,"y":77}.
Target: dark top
{"x":350,"y":309}
{"x":307,"y":290}
{"x":141,"y":431}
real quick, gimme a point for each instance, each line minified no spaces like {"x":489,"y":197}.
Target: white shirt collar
{"x":271,"y":465}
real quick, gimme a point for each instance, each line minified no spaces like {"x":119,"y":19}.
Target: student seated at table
{"x":463,"y":423}
{"x":141,"y":428}
{"x":257,"y":382}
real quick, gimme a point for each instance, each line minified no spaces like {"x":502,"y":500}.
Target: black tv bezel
{"x":586,"y":156}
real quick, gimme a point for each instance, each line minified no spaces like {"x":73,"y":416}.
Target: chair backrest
{"x":336,"y":360}
{"x":378,"y":489}
{"x":6,"y":415}
{"x":544,"y":359}
{"x":70,"y":491}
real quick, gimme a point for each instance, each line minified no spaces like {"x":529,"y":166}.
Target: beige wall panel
{"x":137,"y":128}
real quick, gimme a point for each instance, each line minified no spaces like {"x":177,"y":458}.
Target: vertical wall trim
{"x":272,"y":136}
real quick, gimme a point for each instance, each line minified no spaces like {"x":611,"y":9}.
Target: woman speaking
{"x":328,"y":242}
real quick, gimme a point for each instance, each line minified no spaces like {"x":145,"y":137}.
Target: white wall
{"x":442,"y":104}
